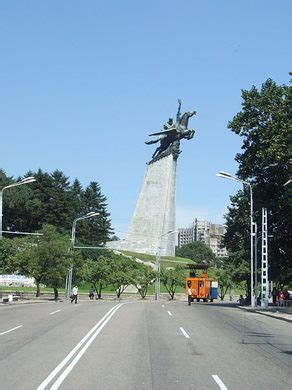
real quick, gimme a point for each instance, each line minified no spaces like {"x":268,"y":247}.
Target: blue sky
{"x":82,"y":84}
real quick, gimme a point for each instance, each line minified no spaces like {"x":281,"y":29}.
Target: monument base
{"x":153,"y":222}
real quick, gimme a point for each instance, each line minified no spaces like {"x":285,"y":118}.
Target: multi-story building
{"x":209,"y":233}
{"x":186,"y":235}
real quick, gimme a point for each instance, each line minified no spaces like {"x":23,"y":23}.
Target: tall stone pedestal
{"x":154,"y":215}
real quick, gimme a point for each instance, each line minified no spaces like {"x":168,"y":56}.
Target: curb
{"x":25,"y":302}
{"x":267,"y":314}
{"x":273,"y":316}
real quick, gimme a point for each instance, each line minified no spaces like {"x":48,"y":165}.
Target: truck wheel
{"x":198,"y":299}
{"x":211,"y":300}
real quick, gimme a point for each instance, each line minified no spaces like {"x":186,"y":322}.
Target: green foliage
{"x":142,"y":277}
{"x":122,"y":270}
{"x":224,"y":276}
{"x":171,"y":278}
{"x":264,"y":125}
{"x":118,"y":271}
{"x":98,"y":272}
{"x":197,"y":251}
{"x":95,"y":230}
{"x":53,"y":200}
{"x":45,"y":258}
{"x":8,"y":249}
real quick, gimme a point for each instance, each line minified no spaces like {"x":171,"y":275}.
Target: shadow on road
{"x":217,"y":304}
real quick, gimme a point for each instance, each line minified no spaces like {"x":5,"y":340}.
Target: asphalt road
{"x":142,"y":345}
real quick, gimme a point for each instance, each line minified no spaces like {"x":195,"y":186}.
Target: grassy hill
{"x":166,"y":261}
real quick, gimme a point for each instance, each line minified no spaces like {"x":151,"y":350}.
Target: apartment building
{"x":209,"y":233}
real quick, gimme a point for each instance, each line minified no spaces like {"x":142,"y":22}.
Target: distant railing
{"x":286,"y":303}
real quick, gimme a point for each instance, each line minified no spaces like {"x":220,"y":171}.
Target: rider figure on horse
{"x":173,"y":131}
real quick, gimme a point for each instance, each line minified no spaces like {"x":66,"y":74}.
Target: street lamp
{"x":26,"y":180}
{"x":157,"y":281}
{"x":226,"y":175}
{"x":73,"y":235}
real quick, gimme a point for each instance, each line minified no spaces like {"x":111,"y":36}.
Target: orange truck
{"x":202,"y":286}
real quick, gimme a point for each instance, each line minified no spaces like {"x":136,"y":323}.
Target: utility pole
{"x":264,"y":275}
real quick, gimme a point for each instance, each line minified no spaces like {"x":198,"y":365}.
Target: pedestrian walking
{"x":74,"y":294}
{"x":190,"y":293}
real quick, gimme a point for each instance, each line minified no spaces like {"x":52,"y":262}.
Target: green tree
{"x":263,"y":123}
{"x":171,"y":278}
{"x":122,"y":270}
{"x":98,"y":229}
{"x":98,"y":272}
{"x":142,"y":277}
{"x":45,"y":258}
{"x":76,"y":193}
{"x":60,"y":208}
{"x":224,"y":278}
{"x":8,"y":249}
{"x":52,"y":200}
{"x":197,"y":251}
{"x":19,"y":205}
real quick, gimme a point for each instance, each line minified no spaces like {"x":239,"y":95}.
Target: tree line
{"x":264,"y":124}
{"x":47,"y":259}
{"x":53,"y":200}
{"x":49,"y":206}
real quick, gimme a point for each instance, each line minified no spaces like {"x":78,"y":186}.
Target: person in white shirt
{"x":74,"y":295}
{"x":190,"y":293}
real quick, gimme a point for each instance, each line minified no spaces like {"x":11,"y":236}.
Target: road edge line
{"x":59,"y":367}
{"x":69,"y":368}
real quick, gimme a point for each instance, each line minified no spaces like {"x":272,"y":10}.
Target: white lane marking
{"x":184,"y":333}
{"x":43,"y":385}
{"x":169,"y":312}
{"x":69,"y":368}
{"x":56,"y":311}
{"x":163,"y":306}
{"x":219,"y":382}
{"x":10,"y":330}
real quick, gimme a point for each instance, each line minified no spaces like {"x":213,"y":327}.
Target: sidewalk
{"x":280,"y":313}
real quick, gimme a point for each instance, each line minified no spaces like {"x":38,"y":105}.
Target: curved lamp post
{"x":26,"y":180}
{"x":73,"y":235}
{"x":226,"y":175}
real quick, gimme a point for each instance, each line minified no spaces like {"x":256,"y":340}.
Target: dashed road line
{"x":184,"y":333}
{"x":169,"y":312}
{"x":162,"y":305}
{"x":219,"y":382}
{"x":10,"y":330}
{"x":54,"y":312}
